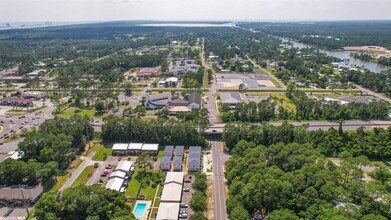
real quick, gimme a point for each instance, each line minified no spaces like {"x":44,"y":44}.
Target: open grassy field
{"x":101,"y":152}
{"x":134,"y":185}
{"x":84,"y":176}
{"x":71,"y":111}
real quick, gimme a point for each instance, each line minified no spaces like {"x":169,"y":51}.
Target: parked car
{"x":119,"y":158}
{"x":187,"y":181}
{"x":183,"y":212}
{"x":1,"y":143}
{"x":108,"y":167}
{"x":184,"y":215}
{"x":186,"y":190}
{"x":184,"y":205}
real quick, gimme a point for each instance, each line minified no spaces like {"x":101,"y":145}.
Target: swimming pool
{"x":139,"y":210}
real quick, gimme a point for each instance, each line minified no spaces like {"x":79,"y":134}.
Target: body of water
{"x":345,"y":55}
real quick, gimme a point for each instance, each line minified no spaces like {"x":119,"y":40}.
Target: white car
{"x":184,"y":215}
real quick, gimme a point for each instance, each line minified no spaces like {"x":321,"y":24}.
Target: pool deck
{"x":147,"y":208}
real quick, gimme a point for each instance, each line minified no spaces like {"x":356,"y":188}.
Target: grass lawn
{"x":84,"y":176}
{"x":89,"y":112}
{"x":22,"y":112}
{"x":148,"y":192}
{"x":134,"y":185}
{"x":76,"y":163}
{"x":154,"y":212}
{"x":160,"y":154}
{"x":101,"y":152}
{"x":60,"y":181}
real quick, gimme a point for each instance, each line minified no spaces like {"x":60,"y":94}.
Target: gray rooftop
{"x":179,"y":149}
{"x":231,"y":97}
{"x":168,"y":149}
{"x":177,"y":159}
{"x":165,"y":160}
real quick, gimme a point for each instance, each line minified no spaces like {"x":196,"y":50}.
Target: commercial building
{"x":172,"y":190}
{"x":16,"y":102}
{"x":232,"y":99}
{"x":159,"y":100}
{"x":194,"y":102}
{"x":169,"y":82}
{"x":182,"y":66}
{"x":168,"y":211}
{"x":194,"y":159}
{"x":17,"y":196}
{"x":149,"y":72}
{"x":34,"y":95}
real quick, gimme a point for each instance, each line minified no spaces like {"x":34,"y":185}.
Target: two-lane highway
{"x":218,"y":179}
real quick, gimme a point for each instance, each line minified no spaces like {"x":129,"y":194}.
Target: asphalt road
{"x":211,"y":103}
{"x":323,"y":125}
{"x":219,"y":160}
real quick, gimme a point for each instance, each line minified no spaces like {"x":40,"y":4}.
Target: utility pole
{"x":27,"y":210}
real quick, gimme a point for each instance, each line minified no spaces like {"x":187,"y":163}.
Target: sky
{"x":108,"y":10}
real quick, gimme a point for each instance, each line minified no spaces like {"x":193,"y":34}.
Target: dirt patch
{"x":371,"y":50}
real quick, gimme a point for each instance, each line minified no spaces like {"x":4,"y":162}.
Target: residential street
{"x":219,"y":159}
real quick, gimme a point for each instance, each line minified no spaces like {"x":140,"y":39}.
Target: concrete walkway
{"x":75,"y":173}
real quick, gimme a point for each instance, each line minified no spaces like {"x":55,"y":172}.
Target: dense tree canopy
{"x":160,"y":131}
{"x":83,"y":202}
{"x":373,"y":144}
{"x":294,"y":181}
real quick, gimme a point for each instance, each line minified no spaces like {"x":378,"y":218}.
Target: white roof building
{"x":327,"y":99}
{"x":150,"y":147}
{"x":135,"y":146}
{"x":118,"y":173}
{"x":124,"y":165}
{"x":115,"y":184}
{"x":168,"y":211}
{"x":172,"y":191}
{"x":120,"y":146}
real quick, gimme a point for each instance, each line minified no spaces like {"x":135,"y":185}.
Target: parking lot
{"x":251,"y":81}
{"x":186,"y":196}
